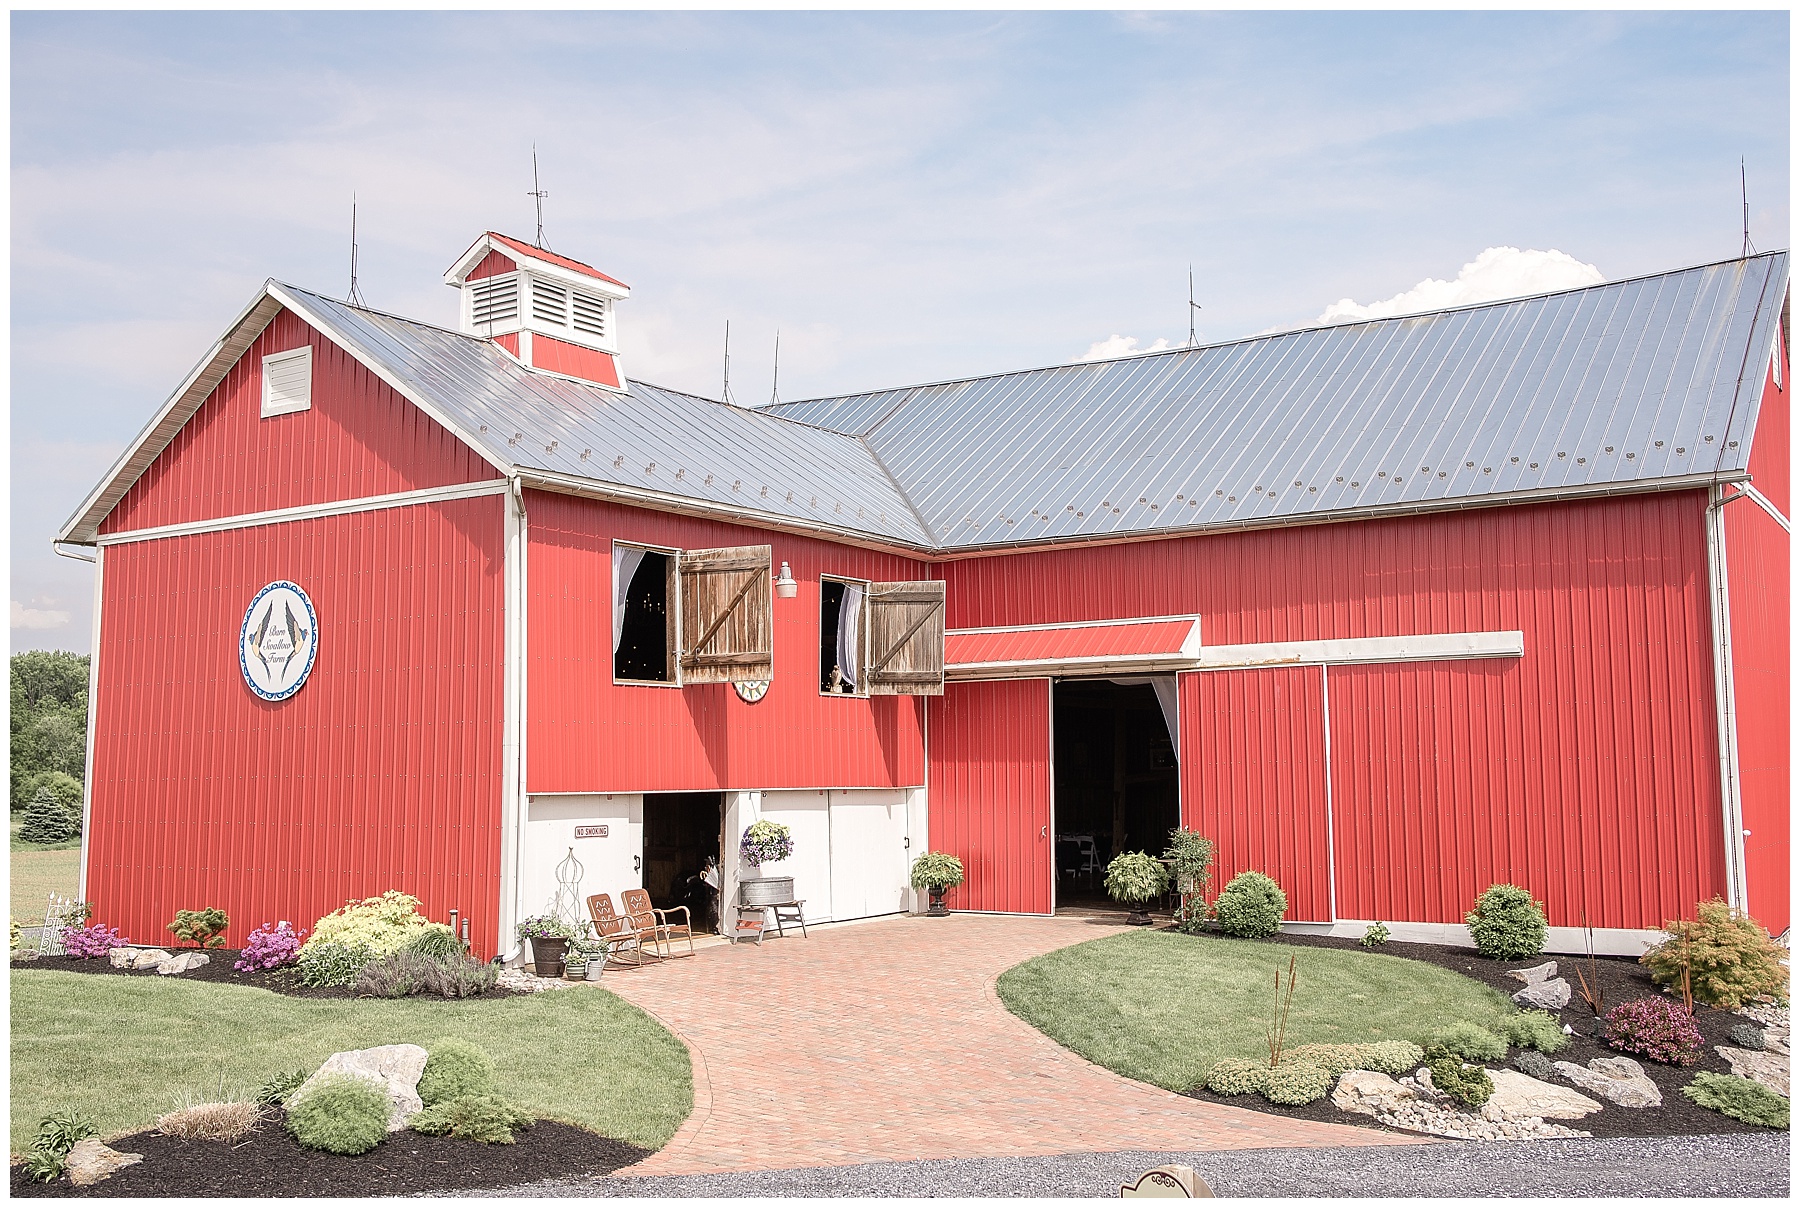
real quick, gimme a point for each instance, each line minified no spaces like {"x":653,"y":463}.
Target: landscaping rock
{"x":526,"y":982}
{"x":1770,"y":1069}
{"x":150,"y":958}
{"x":1420,"y":1083}
{"x":91,"y":1162}
{"x":1618,"y":1079}
{"x":1552,"y":995}
{"x":1536,"y":975}
{"x":1366,"y":1092}
{"x":1442,"y":1120}
{"x":1517,"y":1096}
{"x":181,"y":962}
{"x":121,"y":958}
{"x":395,"y":1066}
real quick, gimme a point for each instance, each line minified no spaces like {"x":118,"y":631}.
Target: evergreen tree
{"x":48,"y":820}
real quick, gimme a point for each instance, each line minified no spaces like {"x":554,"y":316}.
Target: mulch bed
{"x":282,"y":981}
{"x":271,"y":1163}
{"x":1621,"y":980}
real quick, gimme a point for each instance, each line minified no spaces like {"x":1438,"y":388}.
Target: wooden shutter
{"x":906,"y":639}
{"x":726,"y":629}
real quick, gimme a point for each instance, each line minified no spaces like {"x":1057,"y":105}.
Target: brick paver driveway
{"x":885,"y":1041}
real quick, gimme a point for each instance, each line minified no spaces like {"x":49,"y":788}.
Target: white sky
{"x":907,"y":197}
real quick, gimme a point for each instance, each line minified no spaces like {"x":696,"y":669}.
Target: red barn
{"x":1391,"y":610}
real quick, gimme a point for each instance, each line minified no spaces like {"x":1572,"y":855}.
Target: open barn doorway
{"x":682,"y":841}
{"x":1117,"y":779}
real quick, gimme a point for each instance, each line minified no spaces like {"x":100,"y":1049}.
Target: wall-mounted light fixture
{"x":785,"y":585}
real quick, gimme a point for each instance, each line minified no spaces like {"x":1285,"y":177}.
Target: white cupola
{"x":553,"y":313}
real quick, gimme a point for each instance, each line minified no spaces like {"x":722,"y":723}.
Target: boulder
{"x":121,"y":958}
{"x":181,"y":962}
{"x":1517,"y":1096}
{"x":396,"y":1067}
{"x":1366,"y":1092}
{"x":1552,"y":995}
{"x":149,"y":958}
{"x":1770,"y":1069}
{"x":91,"y":1162}
{"x":1536,"y":975}
{"x":1618,"y":1079}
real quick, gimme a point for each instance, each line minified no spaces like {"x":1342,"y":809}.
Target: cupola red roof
{"x":538,"y":253}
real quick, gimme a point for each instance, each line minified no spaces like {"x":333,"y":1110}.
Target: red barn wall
{"x":1586,"y":770}
{"x":989,"y":796}
{"x":382,"y":772}
{"x":589,"y":735}
{"x":359,"y":438}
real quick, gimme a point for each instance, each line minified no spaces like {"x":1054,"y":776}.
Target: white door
{"x":610,"y":862}
{"x":868,"y":853}
{"x":806,"y":814}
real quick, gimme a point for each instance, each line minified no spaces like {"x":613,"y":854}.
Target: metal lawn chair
{"x":621,"y":934}
{"x":637,"y":907}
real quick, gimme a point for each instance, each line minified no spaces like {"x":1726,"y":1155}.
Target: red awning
{"x":1127,"y":646}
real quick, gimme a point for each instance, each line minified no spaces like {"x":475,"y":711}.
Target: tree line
{"x":49,"y":742}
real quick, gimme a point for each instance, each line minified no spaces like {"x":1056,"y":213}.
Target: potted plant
{"x":766,"y":842}
{"x":549,"y":938}
{"x":937,"y":872}
{"x":587,"y":957}
{"x":1134,"y":878}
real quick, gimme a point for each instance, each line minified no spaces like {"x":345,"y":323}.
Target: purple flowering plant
{"x":86,"y":943}
{"x":269,"y":947}
{"x":1655,"y":1028}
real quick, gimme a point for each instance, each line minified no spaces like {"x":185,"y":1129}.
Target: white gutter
{"x":1724,"y":693}
{"x":87,"y":780}
{"x":514,"y":805}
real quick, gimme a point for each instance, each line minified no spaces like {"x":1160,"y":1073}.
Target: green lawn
{"x":1163,"y":1007}
{"x":35,"y":873}
{"x":127,"y":1049}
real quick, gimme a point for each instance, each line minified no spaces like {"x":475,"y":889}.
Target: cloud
{"x":1499,"y":272}
{"x":37,"y":618}
{"x":1117,"y":346}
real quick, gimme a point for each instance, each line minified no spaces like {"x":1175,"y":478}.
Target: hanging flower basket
{"x":766,"y":843}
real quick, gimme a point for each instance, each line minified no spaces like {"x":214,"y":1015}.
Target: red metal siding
{"x":989,"y":795}
{"x":493,"y":264}
{"x":359,"y":438}
{"x":1756,"y":562}
{"x":1253,"y":778}
{"x":1083,"y":641}
{"x":509,"y":341}
{"x":382,"y":772}
{"x":589,"y":735}
{"x":559,"y":356}
{"x":1603,"y":735}
{"x":1769,"y":469}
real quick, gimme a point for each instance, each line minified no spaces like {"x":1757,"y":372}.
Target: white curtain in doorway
{"x":1165,"y":697}
{"x":626,"y":560}
{"x":850,"y":633}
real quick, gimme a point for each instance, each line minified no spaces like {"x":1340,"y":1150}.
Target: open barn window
{"x":643,"y":620}
{"x":906,"y":639}
{"x":841,"y":628}
{"x":727,"y":615}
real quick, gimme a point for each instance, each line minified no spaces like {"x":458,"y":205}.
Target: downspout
{"x":514,"y":804}
{"x":1724,"y":691}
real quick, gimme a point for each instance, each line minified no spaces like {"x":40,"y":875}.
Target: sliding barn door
{"x":989,"y":792}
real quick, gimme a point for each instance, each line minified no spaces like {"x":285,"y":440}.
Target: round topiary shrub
{"x":1250,"y":906}
{"x":1296,"y":1082}
{"x":1234,"y":1076}
{"x":1506,"y":924}
{"x":340,"y":1113}
{"x":1533,"y":1064}
{"x":455,"y":1069}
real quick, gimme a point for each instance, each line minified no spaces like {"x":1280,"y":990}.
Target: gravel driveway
{"x":1737,"y":1165}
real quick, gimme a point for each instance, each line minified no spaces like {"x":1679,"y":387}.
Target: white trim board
{"x":310,"y":511}
{"x":1425,"y":647}
{"x":1560,"y":941}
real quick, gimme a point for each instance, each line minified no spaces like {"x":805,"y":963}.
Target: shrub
{"x":203,"y":928}
{"x":456,"y":1069}
{"x":766,"y":842}
{"x":1746,"y":1036}
{"x":404,"y":973}
{"x":1729,"y":957}
{"x":1251,"y":905}
{"x":340,"y":1113}
{"x":227,"y":1122}
{"x":1534,"y":1030}
{"x":1297,"y":1082}
{"x":1506,"y":924}
{"x":937,"y":870}
{"x":1470,"y":1041}
{"x":1533,"y":1064}
{"x":86,"y":943}
{"x":1655,"y":1028}
{"x":486,"y":1118}
{"x":1235,"y":1076}
{"x":438,"y":942}
{"x":331,"y":964}
{"x":56,"y":1135}
{"x":1190,"y":857}
{"x":1134,"y":878}
{"x":65,"y":788}
{"x":1395,"y":1056}
{"x":1375,"y":936}
{"x":1740,"y":1098}
{"x":48,"y":820}
{"x":1385,"y":1056}
{"x":375,"y":926}
{"x":269,"y":947}
{"x":276,"y":1090}
{"x":1468,"y":1084}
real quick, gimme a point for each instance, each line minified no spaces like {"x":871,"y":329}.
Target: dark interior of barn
{"x":682,"y":833}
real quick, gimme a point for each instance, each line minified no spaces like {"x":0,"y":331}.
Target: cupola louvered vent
{"x":287,"y":382}
{"x":549,"y":303}
{"x":495,"y":300}
{"x":590,"y":314}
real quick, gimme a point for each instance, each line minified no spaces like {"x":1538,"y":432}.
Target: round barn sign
{"x":279,"y":641}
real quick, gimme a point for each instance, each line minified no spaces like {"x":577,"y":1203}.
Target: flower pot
{"x":937,"y":907}
{"x":548,"y":956}
{"x":1138,"y":916}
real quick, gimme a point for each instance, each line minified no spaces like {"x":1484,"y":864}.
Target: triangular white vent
{"x":287,"y":382}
